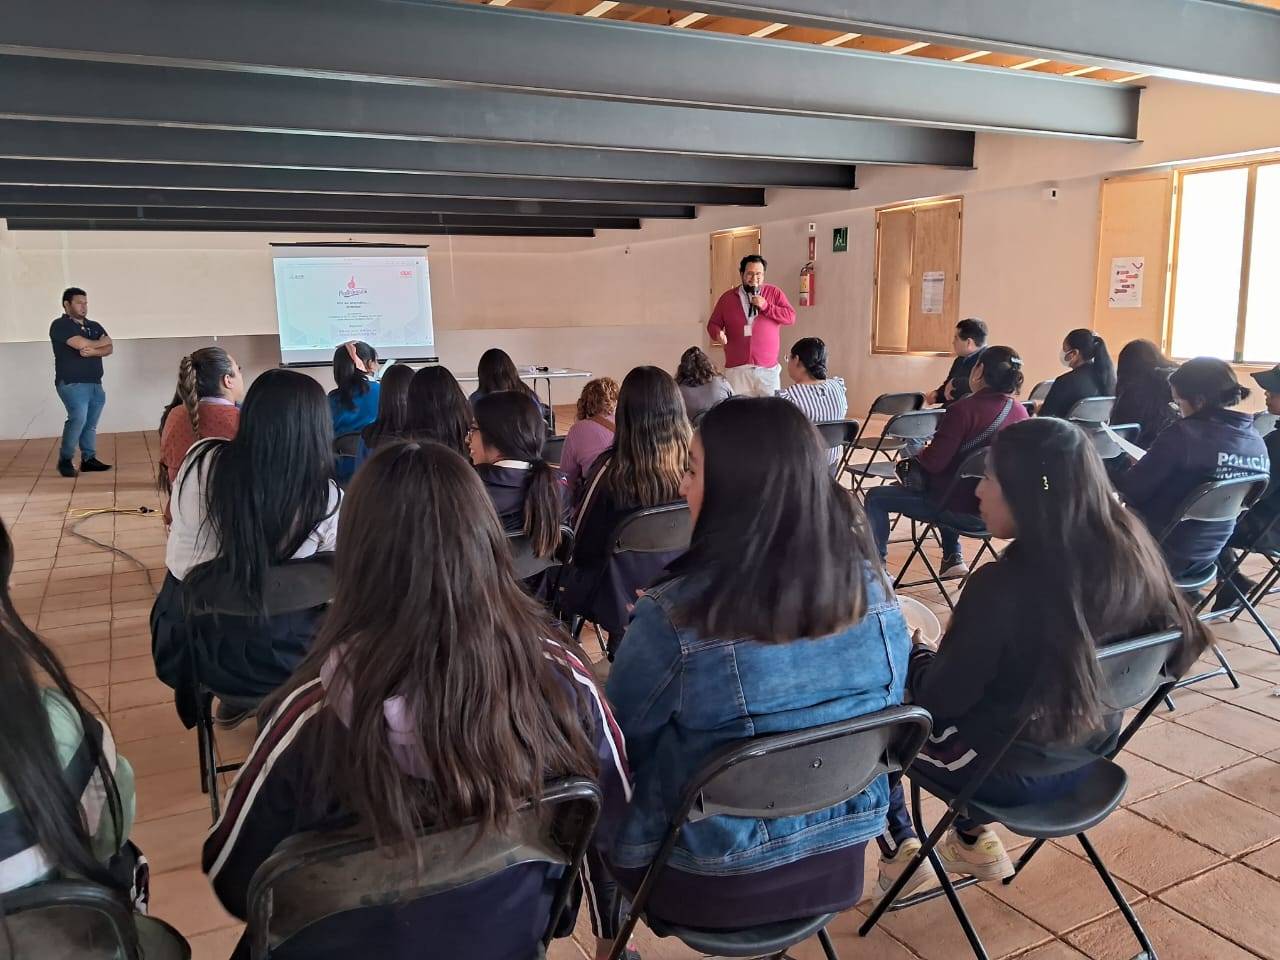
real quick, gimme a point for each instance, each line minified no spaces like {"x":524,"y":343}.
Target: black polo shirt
{"x":68,"y":365}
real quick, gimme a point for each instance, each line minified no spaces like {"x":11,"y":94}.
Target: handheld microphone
{"x":751,"y":307}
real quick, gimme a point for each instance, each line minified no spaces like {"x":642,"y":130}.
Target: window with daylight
{"x":1225,"y":298}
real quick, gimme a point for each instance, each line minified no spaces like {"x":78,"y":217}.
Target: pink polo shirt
{"x":762,"y":347}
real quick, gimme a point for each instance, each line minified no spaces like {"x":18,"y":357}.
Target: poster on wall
{"x":1125,"y":291}
{"x":932,"y":291}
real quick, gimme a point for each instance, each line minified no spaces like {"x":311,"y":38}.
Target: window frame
{"x":1253,"y":165}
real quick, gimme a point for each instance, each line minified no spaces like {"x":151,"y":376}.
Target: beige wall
{"x":631,"y":297}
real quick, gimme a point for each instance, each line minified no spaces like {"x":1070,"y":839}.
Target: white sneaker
{"x":892,"y":868}
{"x":954,"y":568}
{"x":985,"y":858}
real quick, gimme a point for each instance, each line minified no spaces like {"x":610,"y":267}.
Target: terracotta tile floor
{"x":1197,"y":847}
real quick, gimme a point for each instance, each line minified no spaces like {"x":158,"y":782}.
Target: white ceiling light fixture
{"x":909,"y":48}
{"x":688,"y":20}
{"x":971,"y":55}
{"x":768,"y":31}
{"x":600,"y":9}
{"x":1028,"y":64}
{"x":1081,"y":71}
{"x":842,"y":39}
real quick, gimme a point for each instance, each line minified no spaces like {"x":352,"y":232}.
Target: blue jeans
{"x":915,"y":505}
{"x":84,"y":403}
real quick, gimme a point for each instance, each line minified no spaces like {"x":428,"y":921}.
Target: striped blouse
{"x":821,"y":401}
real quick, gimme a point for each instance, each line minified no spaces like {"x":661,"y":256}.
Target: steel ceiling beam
{"x":60,"y":173}
{"x":298,"y":218}
{"x":374,"y":206}
{"x":426,"y":43}
{"x":29,"y":139}
{"x":1222,"y":42}
{"x":276,"y":228}
{"x":42,"y":88}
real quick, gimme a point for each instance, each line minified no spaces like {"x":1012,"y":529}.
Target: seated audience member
{"x":968,"y":425}
{"x":1082,"y":572}
{"x":970,"y":337}
{"x":496,"y":371}
{"x":506,"y":448}
{"x":438,"y":409}
{"x":393,"y":411}
{"x":1092,"y":374}
{"x":1262,"y":516}
{"x":643,"y":468}
{"x":434,"y":695}
{"x":1143,"y":395}
{"x":590,"y":436}
{"x":1209,"y":442}
{"x":777,"y":619}
{"x":241,"y":506}
{"x":701,"y":385}
{"x":66,"y":796}
{"x":205,"y":404}
{"x":818,"y":396}
{"x":353,"y":404}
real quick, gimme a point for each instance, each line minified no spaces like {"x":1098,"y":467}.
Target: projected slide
{"x":328,"y":295}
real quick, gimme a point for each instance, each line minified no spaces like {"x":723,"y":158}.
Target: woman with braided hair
{"x":205,"y":404}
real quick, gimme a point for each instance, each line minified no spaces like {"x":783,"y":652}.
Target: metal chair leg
{"x":1148,"y":951}
{"x":961,"y":915}
{"x":828,"y":948}
{"x":1023,"y":861}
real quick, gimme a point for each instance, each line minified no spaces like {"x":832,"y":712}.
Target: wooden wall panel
{"x":1134,"y":221}
{"x":895,"y":232}
{"x":936,"y":248}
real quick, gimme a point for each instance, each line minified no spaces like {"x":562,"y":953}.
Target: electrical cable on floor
{"x":80,"y":516}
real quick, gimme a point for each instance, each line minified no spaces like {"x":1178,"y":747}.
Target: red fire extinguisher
{"x":809,"y":285}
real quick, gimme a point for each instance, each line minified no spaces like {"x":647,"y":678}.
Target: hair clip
{"x":1015,"y":361}
{"x":1044,"y":478}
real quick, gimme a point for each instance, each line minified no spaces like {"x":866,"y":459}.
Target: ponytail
{"x":1094,"y":349}
{"x":200,"y":375}
{"x":187,"y":393}
{"x":1208,"y":383}
{"x":542,"y":509}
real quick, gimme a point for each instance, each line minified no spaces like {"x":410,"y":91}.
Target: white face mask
{"x":1065,"y":358}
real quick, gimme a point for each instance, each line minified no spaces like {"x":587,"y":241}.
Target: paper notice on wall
{"x":932,"y":291}
{"x":1126,"y":282}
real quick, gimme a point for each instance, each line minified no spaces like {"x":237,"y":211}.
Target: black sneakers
{"x":66,"y":468}
{"x":93,"y":465}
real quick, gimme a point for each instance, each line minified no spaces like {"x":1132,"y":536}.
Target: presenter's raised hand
{"x":759,"y":302}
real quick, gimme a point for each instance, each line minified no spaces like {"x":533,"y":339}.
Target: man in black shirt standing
{"x":968,"y":342}
{"x":79,"y":345}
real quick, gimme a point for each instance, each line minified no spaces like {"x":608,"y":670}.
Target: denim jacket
{"x":679,"y":697}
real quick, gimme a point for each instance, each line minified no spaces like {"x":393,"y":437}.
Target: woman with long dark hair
{"x":1143,"y":395}
{"x":1091,"y":373}
{"x":206,"y":403}
{"x":778,"y":618}
{"x":240,"y":507}
{"x":506,"y":448}
{"x":590,"y":435}
{"x":1209,"y":442}
{"x":1082,"y":572}
{"x":643,"y":468}
{"x":66,"y":796}
{"x":438,"y":409}
{"x":700,"y":383}
{"x":496,"y":371}
{"x":434,"y":695}
{"x":353,"y":403}
{"x":393,"y":411}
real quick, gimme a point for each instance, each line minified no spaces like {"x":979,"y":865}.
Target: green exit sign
{"x":839,"y":239}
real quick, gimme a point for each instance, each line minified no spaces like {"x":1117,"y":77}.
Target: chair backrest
{"x":659,"y":529}
{"x":892,"y":404}
{"x":553,"y":449}
{"x":347,"y":445}
{"x":913,"y":425}
{"x":1107,"y":448}
{"x":1133,"y":671}
{"x":838,"y":433}
{"x":312,"y":876}
{"x":82,"y":920}
{"x":1265,"y":422}
{"x":1092,"y":409}
{"x":526,"y":563}
{"x":974,"y":466}
{"x":1217,"y":501}
{"x":1040,"y":391}
{"x":804,"y":771}
{"x":289,"y":587}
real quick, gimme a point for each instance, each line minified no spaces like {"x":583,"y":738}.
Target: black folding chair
{"x":1254,"y":545}
{"x":314,"y":876}
{"x":1218,"y":501}
{"x":1107,"y":448}
{"x":918,"y":425}
{"x":1092,"y":410}
{"x":553,"y":449}
{"x":1132,"y":673}
{"x":527,"y":564}
{"x":783,"y":775}
{"x":1039,"y":392}
{"x":886,"y":405}
{"x":84,"y":920}
{"x":346,"y":448}
{"x":1265,"y":422}
{"x":968,"y":526}
{"x":842,"y":434}
{"x":290,"y":587}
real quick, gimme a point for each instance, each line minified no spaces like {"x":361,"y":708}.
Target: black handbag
{"x":914,"y":477}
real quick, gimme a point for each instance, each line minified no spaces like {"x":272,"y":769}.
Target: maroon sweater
{"x":964,"y":420}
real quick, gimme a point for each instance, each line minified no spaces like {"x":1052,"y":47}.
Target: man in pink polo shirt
{"x":746,"y":321}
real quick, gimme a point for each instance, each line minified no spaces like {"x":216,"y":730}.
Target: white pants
{"x":751,"y":381}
